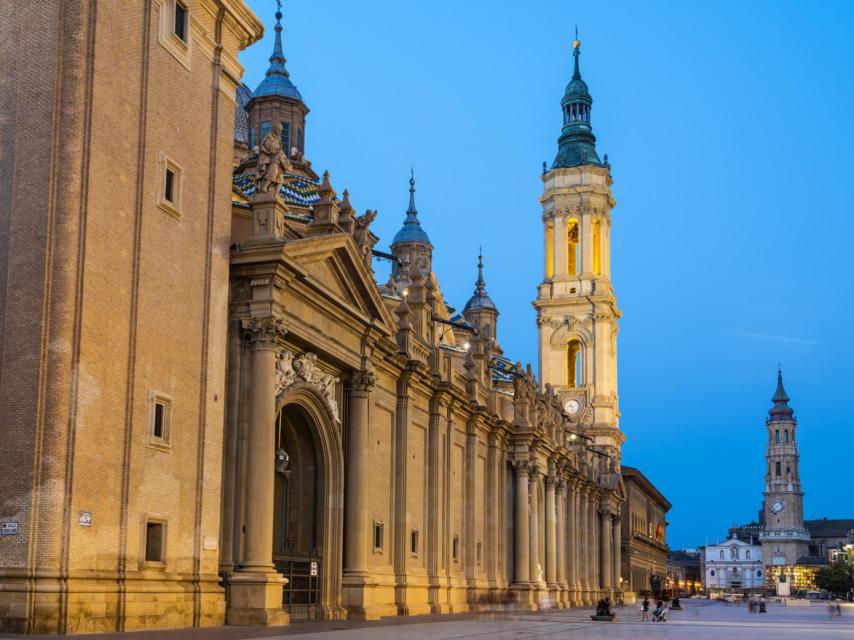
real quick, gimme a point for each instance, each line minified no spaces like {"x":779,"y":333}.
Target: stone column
{"x":592,"y":546}
{"x":560,"y":543}
{"x":607,"y":573}
{"x":618,"y":555}
{"x":355,"y":510}
{"x":583,"y":552}
{"x":551,"y":533}
{"x":255,"y":591}
{"x":533,"y":528}
{"x":522,"y":543}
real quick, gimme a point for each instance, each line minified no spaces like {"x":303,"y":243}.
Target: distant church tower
{"x":784,"y":538}
{"x":577,"y":312}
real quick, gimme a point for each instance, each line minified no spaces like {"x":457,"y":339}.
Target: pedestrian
{"x":645,"y":609}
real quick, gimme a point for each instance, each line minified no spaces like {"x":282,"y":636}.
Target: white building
{"x":733,"y":564}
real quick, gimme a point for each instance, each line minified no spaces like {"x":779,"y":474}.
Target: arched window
{"x":572,"y":245}
{"x":786,"y":435}
{"x":747,"y":555}
{"x":777,"y":468}
{"x":573,"y":363}
{"x":597,"y":247}
{"x":777,"y":436}
{"x":722,"y":554}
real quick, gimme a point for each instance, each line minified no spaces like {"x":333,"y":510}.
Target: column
{"x":560,"y":543}
{"x":592,"y":545}
{"x":256,"y":589}
{"x":551,"y":532}
{"x":618,"y":556}
{"x":522,"y":544}
{"x":605,"y":549}
{"x":493,"y":522}
{"x":572,"y":534}
{"x":533,"y":528}
{"x":583,"y":555}
{"x":356,"y":516}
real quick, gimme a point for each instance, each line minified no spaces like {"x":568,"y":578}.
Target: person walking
{"x":645,"y":609}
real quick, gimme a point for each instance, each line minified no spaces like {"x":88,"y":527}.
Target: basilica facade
{"x":214,"y":411}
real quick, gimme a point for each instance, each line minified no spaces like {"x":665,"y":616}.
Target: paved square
{"x":700,"y":619}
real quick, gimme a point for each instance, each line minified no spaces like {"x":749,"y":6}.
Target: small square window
{"x":169,"y":188}
{"x":181,"y":21}
{"x":169,"y":191}
{"x":378,"y":535}
{"x":159,"y":420}
{"x":455,"y":548}
{"x":413,"y":542}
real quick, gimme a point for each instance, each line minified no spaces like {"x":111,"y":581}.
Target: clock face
{"x":572,"y":406}
{"x":777,"y":507}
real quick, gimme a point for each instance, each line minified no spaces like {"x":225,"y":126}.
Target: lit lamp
{"x":282,"y":460}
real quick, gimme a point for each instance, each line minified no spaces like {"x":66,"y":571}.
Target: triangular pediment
{"x":333,"y":263}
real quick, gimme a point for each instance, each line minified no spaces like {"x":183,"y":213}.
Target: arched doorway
{"x":298,"y":516}
{"x":307,"y":511}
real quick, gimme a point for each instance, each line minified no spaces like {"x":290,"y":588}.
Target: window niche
{"x":153,"y":542}
{"x":573,"y":363}
{"x":379,"y":536}
{"x":173,"y":31}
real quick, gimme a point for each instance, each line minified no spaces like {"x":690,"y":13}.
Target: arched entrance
{"x":307,"y":520}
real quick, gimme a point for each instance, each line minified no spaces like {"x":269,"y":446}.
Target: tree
{"x":835,"y":578}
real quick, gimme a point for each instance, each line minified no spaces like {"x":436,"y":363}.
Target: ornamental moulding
{"x":292,"y":369}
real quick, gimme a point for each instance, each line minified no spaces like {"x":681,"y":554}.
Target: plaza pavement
{"x":700,"y":619}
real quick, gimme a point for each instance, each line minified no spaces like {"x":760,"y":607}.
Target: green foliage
{"x":835,"y":578}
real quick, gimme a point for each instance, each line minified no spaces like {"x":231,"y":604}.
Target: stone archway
{"x":308,"y":520}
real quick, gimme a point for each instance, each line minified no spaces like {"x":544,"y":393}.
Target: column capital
{"x":264,"y":332}
{"x":363,"y":381}
{"x":521,"y":467}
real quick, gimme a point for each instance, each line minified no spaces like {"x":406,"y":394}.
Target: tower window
{"x":300,"y":142}
{"x":169,"y":191}
{"x":455,"y":548}
{"x":777,"y":436}
{"x":550,"y":250}
{"x":286,"y":138}
{"x":181,"y":21}
{"x":572,"y":246}
{"x":265,"y":128}
{"x":251,"y":137}
{"x":786,"y":435}
{"x":777,"y":469}
{"x":169,"y":188}
{"x":154,"y":542}
{"x":597,"y":247}
{"x":573,"y":363}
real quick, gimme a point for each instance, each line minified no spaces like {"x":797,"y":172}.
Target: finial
{"x":412,"y":208}
{"x":576,"y":44}
{"x":480,"y":285}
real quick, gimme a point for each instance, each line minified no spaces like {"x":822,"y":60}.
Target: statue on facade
{"x":361,"y":232}
{"x":272,"y":162}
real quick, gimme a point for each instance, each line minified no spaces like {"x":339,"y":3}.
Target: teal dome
{"x":577,"y":144}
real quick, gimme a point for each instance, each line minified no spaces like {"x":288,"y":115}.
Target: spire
{"x":412,"y":210}
{"x":480,"y":299}
{"x":781,"y":409}
{"x":577,"y":144}
{"x":411,"y":230}
{"x":277,"y":80}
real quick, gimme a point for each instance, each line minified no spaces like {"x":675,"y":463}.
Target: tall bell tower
{"x":577,"y":312}
{"x":784,"y":538}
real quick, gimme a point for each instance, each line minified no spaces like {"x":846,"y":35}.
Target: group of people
{"x":659,"y":614}
{"x":756,"y":605}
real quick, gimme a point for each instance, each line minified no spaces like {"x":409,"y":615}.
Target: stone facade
{"x":644,"y":541}
{"x":215,"y":412}
{"x":733,"y":565}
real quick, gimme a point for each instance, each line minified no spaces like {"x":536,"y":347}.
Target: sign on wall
{"x":8,"y":528}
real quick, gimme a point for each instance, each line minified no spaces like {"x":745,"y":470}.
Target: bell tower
{"x":784,"y":537}
{"x":577,"y":312}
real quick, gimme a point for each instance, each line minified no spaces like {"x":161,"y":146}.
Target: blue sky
{"x":728,"y":127}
